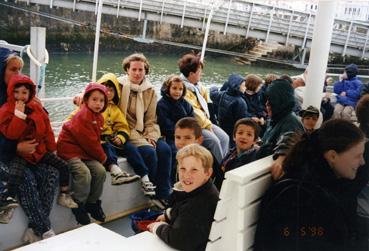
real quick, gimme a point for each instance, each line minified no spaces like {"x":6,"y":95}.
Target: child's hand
{"x":160,"y":218}
{"x":343,"y":94}
{"x":117,"y":141}
{"x":152,"y":142}
{"x":27,"y":147}
{"x":20,"y":106}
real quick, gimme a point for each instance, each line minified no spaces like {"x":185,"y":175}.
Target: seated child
{"x":24,"y":118}
{"x":348,"y":90}
{"x":253,"y":99}
{"x":186,"y":226}
{"x":80,"y":145}
{"x":171,"y":108}
{"x":231,"y":105}
{"x":115,"y":132}
{"x":309,"y":118}
{"x":188,"y":131}
{"x":245,"y":134}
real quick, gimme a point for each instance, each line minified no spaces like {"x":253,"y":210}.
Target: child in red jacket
{"x":24,"y":118}
{"x":79,"y":144}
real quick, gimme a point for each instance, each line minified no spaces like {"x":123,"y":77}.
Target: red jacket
{"x":35,"y":126}
{"x":80,"y":136}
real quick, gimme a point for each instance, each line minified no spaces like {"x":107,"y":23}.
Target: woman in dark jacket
{"x":312,"y":207}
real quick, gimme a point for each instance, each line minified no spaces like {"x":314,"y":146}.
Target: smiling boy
{"x":186,"y":225}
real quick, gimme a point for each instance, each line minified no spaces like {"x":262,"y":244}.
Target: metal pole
{"x":289,"y":27}
{"x":270,"y":24}
{"x":74,"y":5}
{"x":366,"y":41}
{"x":206,"y":34}
{"x":347,"y":39}
{"x":203,"y":21}
{"x":227,"y":20}
{"x":183,"y":13}
{"x":97,"y":39}
{"x":38,"y":42}
{"x":319,"y":53}
{"x":162,"y":11}
{"x":306,"y":32}
{"x":250,"y":19}
{"x":51,"y":4}
{"x":118,"y":7}
{"x":139,"y":13}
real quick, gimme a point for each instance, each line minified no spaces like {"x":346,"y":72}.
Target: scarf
{"x":140,"y":107}
{"x":196,"y":90}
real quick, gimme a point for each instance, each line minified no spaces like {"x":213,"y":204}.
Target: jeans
{"x":217,"y":142}
{"x":159,"y":165}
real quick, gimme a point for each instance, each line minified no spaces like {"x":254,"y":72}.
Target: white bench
{"x":116,"y":201}
{"x":236,"y":213}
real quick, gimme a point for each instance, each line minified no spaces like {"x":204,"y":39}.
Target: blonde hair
{"x":136,"y":57}
{"x":15,"y":57}
{"x":197,"y":151}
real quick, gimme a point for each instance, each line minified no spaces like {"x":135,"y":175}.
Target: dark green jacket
{"x":281,"y":99}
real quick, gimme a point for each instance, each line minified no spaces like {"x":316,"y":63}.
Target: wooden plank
{"x":221,"y":210}
{"x":253,"y":190}
{"x":217,"y":230}
{"x":244,"y":174}
{"x":248,"y":216}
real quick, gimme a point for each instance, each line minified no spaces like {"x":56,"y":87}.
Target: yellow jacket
{"x":200,"y":115}
{"x":115,"y":122}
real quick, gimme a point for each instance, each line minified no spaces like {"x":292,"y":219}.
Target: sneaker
{"x":30,"y":236}
{"x":148,"y":188}
{"x":48,"y":234}
{"x":6,"y":215}
{"x":66,"y":200}
{"x":8,"y":203}
{"x":160,"y":203}
{"x":81,"y":215}
{"x":95,"y":210}
{"x":123,"y":178}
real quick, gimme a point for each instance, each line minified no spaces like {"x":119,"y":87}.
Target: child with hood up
{"x":22,"y":118}
{"x":115,"y":133}
{"x":348,"y":90}
{"x":80,"y":145}
{"x":231,"y":105}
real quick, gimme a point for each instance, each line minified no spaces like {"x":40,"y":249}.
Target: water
{"x":68,"y":74}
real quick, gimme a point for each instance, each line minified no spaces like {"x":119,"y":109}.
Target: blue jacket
{"x":7,"y":147}
{"x":255,"y":104}
{"x":352,"y":87}
{"x":231,"y":105}
{"x":169,"y":111}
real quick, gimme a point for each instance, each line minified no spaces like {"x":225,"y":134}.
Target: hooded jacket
{"x":80,"y":136}
{"x":231,"y":105}
{"x":280,"y":96}
{"x":34,"y":123}
{"x":352,"y":86}
{"x":114,"y":120}
{"x":7,"y":147}
{"x":169,"y":111}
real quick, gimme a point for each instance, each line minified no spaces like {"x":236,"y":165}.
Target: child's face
{"x":136,"y":72}
{"x":21,"y":94}
{"x":176,"y":90}
{"x":184,"y":137}
{"x":243,"y":87}
{"x":244,"y":138}
{"x":192,"y":174}
{"x":96,"y":101}
{"x":309,"y":122}
{"x":110,"y":91}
